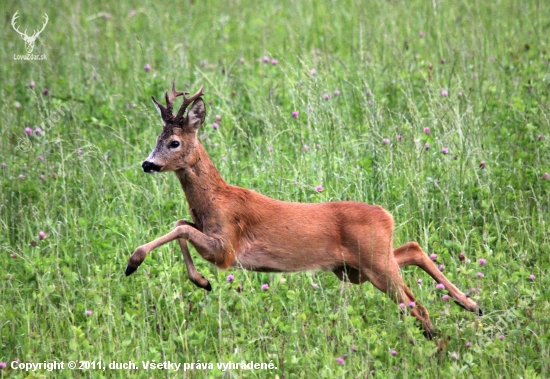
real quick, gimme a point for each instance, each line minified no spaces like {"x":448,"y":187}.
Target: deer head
{"x":29,"y":40}
{"x":177,"y":142}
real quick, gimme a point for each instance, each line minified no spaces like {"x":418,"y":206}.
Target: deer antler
{"x":166,"y":112}
{"x":16,"y":28}
{"x":187,"y":101}
{"x":173,"y":95}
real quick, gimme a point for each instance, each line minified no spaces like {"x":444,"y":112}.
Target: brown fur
{"x":237,"y":227}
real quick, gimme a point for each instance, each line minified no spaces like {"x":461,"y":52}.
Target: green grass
{"x":100,"y":205}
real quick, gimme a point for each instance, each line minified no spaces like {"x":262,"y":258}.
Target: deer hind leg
{"x":411,"y":254}
{"x":388,"y":280}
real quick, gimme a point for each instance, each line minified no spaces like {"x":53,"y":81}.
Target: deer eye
{"x":174,"y":144}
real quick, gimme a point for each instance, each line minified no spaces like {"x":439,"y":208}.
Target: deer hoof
{"x":130,"y":270}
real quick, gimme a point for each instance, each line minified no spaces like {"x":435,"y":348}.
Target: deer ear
{"x":161,"y":109}
{"x":195,"y":115}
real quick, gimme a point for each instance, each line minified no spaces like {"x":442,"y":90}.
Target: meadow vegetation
{"x":437,"y":111}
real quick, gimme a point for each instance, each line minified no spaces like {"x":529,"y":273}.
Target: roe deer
{"x":237,"y":227}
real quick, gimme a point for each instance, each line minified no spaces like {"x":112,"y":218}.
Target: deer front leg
{"x":196,"y":277}
{"x":210,"y":248}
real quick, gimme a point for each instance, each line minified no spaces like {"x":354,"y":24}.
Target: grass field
{"x":439,"y":111}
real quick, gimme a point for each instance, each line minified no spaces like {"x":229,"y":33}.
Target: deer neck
{"x":200,"y":181}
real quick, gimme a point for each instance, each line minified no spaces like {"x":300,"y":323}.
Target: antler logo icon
{"x":29,"y":40}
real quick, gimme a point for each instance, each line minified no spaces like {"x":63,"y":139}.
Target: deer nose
{"x":150,"y":167}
